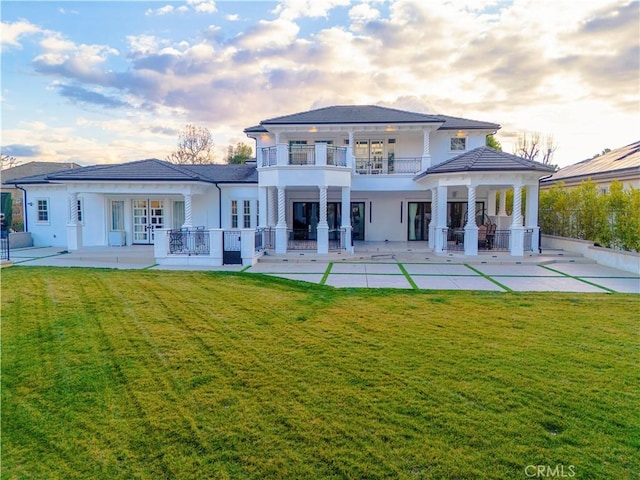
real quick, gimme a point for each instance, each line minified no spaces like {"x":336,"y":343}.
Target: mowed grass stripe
{"x":111,"y":374}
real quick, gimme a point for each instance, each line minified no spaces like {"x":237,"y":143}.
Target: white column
{"x":281,"y":227}
{"x":503,"y":203}
{"x":432,"y":222}
{"x":531,"y":216}
{"x":502,"y":221}
{"x":262,"y":207}
{"x":188,"y":221}
{"x":351,"y":162}
{"x":346,"y":218}
{"x":273,"y":206}
{"x":426,"y":153}
{"x":323,"y":228}
{"x":471,"y":229}
{"x":441,"y":220}
{"x":74,"y":228}
{"x":516,"y":214}
{"x":72,"y":200}
{"x":516,"y":243}
{"x":491,"y":203}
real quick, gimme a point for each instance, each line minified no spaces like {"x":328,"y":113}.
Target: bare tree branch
{"x":529,"y":145}
{"x":194,"y":147}
{"x":8,"y":161}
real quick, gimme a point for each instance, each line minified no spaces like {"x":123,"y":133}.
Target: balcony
{"x":322,"y":154}
{"x":319,"y":154}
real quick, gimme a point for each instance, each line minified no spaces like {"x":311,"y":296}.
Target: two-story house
{"x":323,"y":180}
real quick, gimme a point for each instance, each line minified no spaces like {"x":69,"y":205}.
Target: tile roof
{"x":624,"y":158}
{"x":485,"y":159}
{"x":151,"y":170}
{"x":367,"y":114}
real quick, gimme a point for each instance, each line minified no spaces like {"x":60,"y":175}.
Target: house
{"x":15,"y":197}
{"x":322,"y":180}
{"x":622,"y":164}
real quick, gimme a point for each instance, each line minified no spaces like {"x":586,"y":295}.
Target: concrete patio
{"x":388,"y":265}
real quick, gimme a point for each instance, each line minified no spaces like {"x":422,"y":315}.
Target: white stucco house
{"x":323,"y":180}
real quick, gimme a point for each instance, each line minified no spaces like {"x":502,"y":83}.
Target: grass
{"x":152,"y":375}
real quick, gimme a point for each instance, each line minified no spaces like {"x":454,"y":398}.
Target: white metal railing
{"x":269,"y":156}
{"x":302,"y":155}
{"x":397,"y":165}
{"x":336,"y":156}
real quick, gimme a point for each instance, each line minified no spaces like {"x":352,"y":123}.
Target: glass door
{"x":419,"y":218}
{"x":357,"y":220}
{"x":147,"y":216}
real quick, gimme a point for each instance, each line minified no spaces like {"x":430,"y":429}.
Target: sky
{"x":109,"y":82}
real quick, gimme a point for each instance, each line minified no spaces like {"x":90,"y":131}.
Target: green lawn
{"x":152,"y":375}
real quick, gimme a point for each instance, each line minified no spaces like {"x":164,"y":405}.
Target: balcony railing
{"x":336,"y":156}
{"x":398,"y":165}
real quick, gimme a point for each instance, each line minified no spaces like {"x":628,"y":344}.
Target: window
{"x":79,"y":208}
{"x":257,"y":213}
{"x":234,"y":214}
{"x":246,"y":214}
{"x":178,"y":214}
{"x":117,"y":215}
{"x":43,"y":210}
{"x":458,"y":144}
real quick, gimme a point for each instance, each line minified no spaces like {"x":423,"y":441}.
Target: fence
{"x":189,"y":242}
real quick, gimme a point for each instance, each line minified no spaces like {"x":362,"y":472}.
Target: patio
{"x":380,"y":265}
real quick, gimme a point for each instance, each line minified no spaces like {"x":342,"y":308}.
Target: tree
{"x":239,"y":154}
{"x":194,"y":147}
{"x":8,"y":161}
{"x":531,"y":146}
{"x":492,"y":142}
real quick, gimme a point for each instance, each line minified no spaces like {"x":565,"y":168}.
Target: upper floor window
{"x":43,"y":210}
{"x":458,"y":144}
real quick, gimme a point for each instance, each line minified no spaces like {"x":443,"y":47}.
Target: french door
{"x":147,"y":216}
{"x":370,"y":156}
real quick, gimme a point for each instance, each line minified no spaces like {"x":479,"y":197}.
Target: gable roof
{"x":151,"y":170}
{"x":625,"y":159}
{"x":485,"y":159}
{"x":370,"y":114}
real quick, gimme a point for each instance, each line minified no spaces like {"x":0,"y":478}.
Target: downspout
{"x":24,"y":206}
{"x":219,"y":205}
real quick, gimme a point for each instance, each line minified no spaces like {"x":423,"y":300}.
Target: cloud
{"x":363,"y":13}
{"x":83,"y":95}
{"x":233,"y":17}
{"x":293,"y":9}
{"x":200,"y":6}
{"x":19,"y":151}
{"x":11,"y":33}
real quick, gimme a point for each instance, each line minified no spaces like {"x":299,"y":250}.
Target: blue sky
{"x":108,"y":82}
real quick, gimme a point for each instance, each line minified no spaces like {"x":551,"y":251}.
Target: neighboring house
{"x":16,"y":195}
{"x":622,"y":164}
{"x":396,"y":176}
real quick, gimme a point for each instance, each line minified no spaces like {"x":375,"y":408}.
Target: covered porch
{"x":480,"y":177}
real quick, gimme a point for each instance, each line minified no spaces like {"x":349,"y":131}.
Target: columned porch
{"x":308,"y":218}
